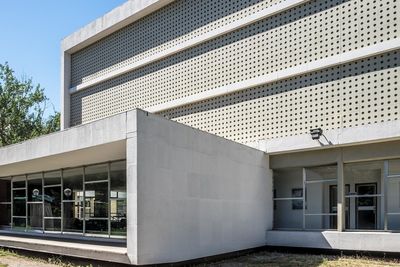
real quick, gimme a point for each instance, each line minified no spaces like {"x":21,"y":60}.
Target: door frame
{"x":375,"y":202}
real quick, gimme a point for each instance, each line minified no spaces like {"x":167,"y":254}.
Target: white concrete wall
{"x":359,"y":241}
{"x":197,"y":194}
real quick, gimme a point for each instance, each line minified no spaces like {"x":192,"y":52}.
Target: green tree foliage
{"x":22,"y":109}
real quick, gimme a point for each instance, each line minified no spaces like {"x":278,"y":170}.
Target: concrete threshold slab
{"x":72,"y":248}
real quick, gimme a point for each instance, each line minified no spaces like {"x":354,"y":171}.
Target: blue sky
{"x":32,"y":31}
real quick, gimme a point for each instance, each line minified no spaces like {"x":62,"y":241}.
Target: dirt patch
{"x":276,"y":259}
{"x":13,"y":261}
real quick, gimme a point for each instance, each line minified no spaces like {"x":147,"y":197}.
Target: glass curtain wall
{"x":320,"y":198}
{"x":88,"y":200}
{"x":306,"y":198}
{"x":392,"y":201}
{"x":5,"y":203}
{"x":365,"y":196}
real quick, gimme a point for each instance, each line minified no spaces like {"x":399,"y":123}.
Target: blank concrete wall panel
{"x":166,"y":28}
{"x":208,"y":180}
{"x":302,"y":34}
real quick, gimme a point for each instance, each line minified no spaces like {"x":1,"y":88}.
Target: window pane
{"x":288,"y":183}
{"x":96,"y":200}
{"x":96,"y":173}
{"x":52,"y":225}
{"x":118,"y":197}
{"x":118,"y":179}
{"x":52,"y":178}
{"x":73,"y":181}
{"x":364,"y":179}
{"x":118,"y":217}
{"x":52,"y":201}
{"x":73,"y":217}
{"x":5,"y":190}
{"x":35,"y":193}
{"x":394,"y":167}
{"x":19,"y":203}
{"x":5,"y":218}
{"x":35,"y":216}
{"x":394,"y":222}
{"x":321,"y":197}
{"x":19,"y":223}
{"x":19,"y":181}
{"x":94,"y":226}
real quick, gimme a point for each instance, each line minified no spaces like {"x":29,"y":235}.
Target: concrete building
{"x":195,"y":128}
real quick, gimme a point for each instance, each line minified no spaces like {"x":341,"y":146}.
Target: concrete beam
{"x":109,"y":130}
{"x":114,"y":20}
{"x":355,"y":153}
{"x":364,"y":134}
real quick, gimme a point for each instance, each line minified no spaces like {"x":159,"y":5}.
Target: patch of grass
{"x":6,"y":252}
{"x":56,"y":260}
{"x":275,"y":259}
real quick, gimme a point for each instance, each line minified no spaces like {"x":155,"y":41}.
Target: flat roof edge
{"x":114,"y":20}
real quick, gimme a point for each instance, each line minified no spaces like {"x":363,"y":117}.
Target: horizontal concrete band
{"x":114,"y":20}
{"x":317,"y":65}
{"x":268,"y":12}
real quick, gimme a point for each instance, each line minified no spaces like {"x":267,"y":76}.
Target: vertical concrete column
{"x":341,"y":201}
{"x":65,"y":85}
{"x":131,"y":185}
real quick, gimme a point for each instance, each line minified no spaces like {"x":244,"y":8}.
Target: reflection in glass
{"x":96,"y":226}
{"x":52,"y":201}
{"x":35,"y":193}
{"x":19,"y":181}
{"x":118,"y":198}
{"x":73,"y":217}
{"x":5,"y":190}
{"x":19,"y":203}
{"x":52,"y":225}
{"x":96,"y":173}
{"x":118,"y":216}
{"x":35,"y":216}
{"x":19,"y":223}
{"x":73,"y":181}
{"x":96,"y":196}
{"x":52,"y":178}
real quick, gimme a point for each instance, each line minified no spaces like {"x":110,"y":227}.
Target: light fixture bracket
{"x":316,"y":133}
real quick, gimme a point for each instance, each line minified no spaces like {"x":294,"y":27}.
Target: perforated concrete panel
{"x":331,"y":98}
{"x":362,"y":92}
{"x":172,"y":25}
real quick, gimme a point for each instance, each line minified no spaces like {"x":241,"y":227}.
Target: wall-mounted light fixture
{"x":316,"y":133}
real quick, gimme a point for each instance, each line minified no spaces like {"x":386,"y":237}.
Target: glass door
{"x":366,"y":206}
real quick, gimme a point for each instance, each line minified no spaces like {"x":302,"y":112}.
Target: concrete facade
{"x":226,"y":162}
{"x":181,"y":184}
{"x":197,"y":195}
